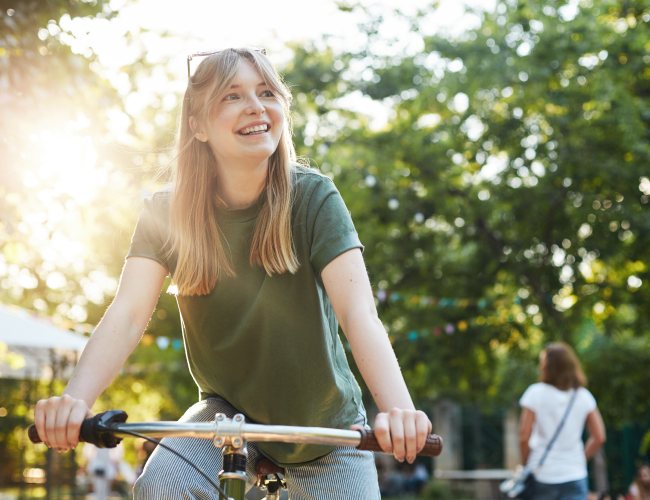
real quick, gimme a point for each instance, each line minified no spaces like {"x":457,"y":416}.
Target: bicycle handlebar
{"x":102,"y":430}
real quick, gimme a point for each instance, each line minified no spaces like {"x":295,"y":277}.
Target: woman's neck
{"x":240,"y":186}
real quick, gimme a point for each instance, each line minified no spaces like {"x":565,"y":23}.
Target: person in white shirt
{"x":563,"y":475}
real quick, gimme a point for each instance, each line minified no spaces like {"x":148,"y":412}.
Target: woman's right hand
{"x":58,"y":421}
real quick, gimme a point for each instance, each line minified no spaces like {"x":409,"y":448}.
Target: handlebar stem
{"x":228,"y":431}
{"x":234,"y":451}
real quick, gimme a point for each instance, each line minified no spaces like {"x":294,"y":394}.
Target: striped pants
{"x":346,"y":473}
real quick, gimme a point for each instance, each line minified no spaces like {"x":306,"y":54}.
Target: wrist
{"x":81,"y":395}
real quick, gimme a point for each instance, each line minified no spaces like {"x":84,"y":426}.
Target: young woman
{"x":563,"y":476}
{"x":266,"y":259}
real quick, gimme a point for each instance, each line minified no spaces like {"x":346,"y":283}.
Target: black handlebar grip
{"x":87,"y":424}
{"x":33,"y":434}
{"x":95,"y":430}
{"x":87,"y":431}
{"x":432,"y":448}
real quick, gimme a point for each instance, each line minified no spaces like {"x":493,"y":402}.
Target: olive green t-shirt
{"x":269,"y":345}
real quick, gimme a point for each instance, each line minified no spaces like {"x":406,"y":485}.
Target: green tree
{"x":510,"y":180}
{"x":510,"y":177}
{"x":74,"y":167}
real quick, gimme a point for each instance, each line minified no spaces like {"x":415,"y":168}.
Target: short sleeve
{"x":148,"y":237}
{"x":588,"y":400}
{"x":529,"y":399}
{"x":331,"y":230}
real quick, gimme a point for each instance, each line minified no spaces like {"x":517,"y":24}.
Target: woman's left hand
{"x":402,"y":433}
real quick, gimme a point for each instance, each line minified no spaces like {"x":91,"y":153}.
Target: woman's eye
{"x":267,"y":93}
{"x":230,"y":97}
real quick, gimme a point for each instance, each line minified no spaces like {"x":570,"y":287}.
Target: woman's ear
{"x":200,"y":135}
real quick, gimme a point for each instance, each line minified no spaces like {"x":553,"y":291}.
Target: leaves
{"x":509,"y":169}
{"x":504,"y":167}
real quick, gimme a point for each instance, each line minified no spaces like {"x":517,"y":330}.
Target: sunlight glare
{"x":68,"y":163}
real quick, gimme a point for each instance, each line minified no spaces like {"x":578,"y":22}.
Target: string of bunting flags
{"x":162,"y":342}
{"x":383,"y":296}
{"x":442,"y":302}
{"x":137,"y":368}
{"x":423,"y":300}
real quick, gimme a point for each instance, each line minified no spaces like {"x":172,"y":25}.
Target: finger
{"x":61,"y":425}
{"x":410,"y":435}
{"x":382,"y":432}
{"x":77,"y":415}
{"x":397,"y":434}
{"x":423,"y":429}
{"x":39,"y":421}
{"x":51,"y":407}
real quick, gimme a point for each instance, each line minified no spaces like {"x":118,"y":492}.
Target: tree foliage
{"x":503,"y":203}
{"x":70,"y":189}
{"x":513,"y":170}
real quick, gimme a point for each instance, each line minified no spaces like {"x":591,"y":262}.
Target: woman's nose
{"x":254,"y":106}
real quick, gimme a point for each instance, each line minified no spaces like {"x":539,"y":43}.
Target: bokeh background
{"x":494,"y":156}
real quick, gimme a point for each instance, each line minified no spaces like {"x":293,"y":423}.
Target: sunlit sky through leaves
{"x":167,"y":31}
{"x":173,"y":29}
{"x":217,"y":24}
{"x":496,"y":173}
{"x":61,"y":155}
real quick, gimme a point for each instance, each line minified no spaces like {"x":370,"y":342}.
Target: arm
{"x":399,"y":428}
{"x":525,"y":430}
{"x":597,"y":436}
{"x":58,"y":419}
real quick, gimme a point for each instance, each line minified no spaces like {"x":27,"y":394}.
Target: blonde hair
{"x":195,"y":236}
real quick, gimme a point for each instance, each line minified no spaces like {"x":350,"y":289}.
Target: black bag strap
{"x":559,"y":428}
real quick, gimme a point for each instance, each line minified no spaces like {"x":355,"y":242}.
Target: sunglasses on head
{"x":212,"y":52}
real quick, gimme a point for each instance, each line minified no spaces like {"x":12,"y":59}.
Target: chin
{"x":258,"y":154}
{"x":260,"y":150}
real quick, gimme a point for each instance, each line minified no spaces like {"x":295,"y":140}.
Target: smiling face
{"x":246,"y":123}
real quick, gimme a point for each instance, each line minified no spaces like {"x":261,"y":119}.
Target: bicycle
{"x":231,"y":435}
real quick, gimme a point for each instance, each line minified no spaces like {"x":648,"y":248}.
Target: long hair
{"x":195,"y":237}
{"x":641,"y":484}
{"x":561,"y":367}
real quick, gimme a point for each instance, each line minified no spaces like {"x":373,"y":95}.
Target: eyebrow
{"x":237,"y":85}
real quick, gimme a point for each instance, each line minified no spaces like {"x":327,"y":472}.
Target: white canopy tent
{"x":41,"y":345}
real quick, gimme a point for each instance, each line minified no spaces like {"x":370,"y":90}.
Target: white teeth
{"x":258,"y":128}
